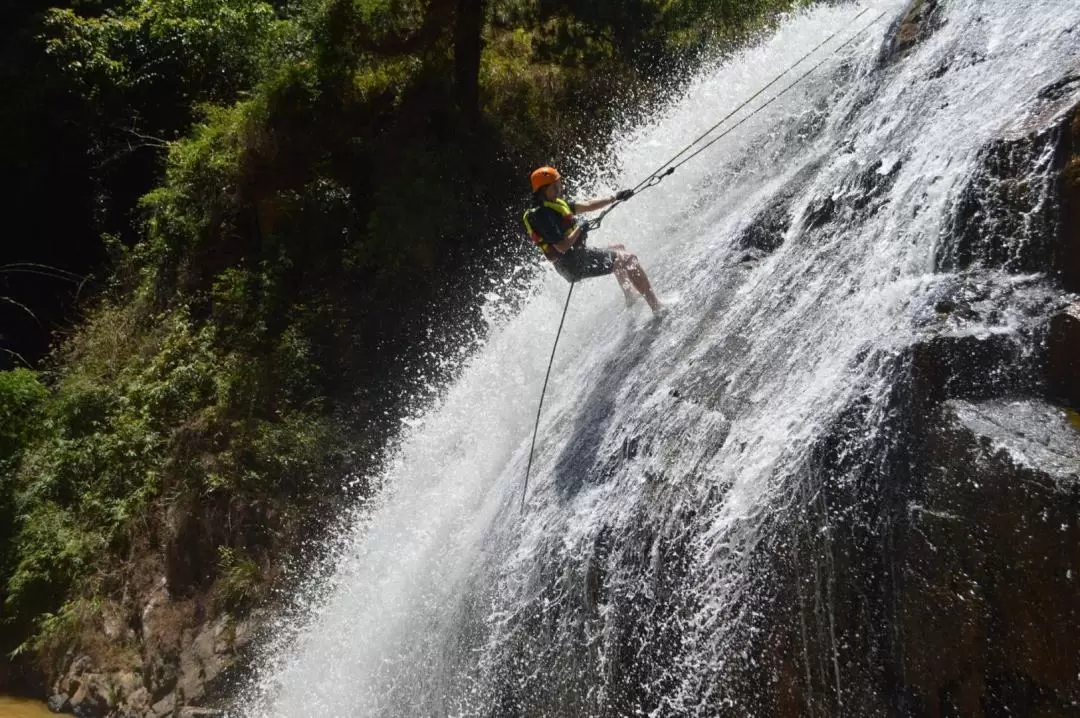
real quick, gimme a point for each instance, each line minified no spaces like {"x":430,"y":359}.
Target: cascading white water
{"x":447,"y":600}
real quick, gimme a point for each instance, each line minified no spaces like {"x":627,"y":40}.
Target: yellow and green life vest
{"x":567,"y":224}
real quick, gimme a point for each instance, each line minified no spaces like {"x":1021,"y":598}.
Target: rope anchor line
{"x":669,"y":167}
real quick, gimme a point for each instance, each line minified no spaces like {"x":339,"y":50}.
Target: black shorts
{"x":584,"y":262}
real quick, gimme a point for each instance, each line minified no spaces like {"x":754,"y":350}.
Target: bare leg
{"x":623,"y":278}
{"x":626,"y":286}
{"x":627,"y":264}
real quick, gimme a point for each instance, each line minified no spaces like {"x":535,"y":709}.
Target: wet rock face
{"x":1063,"y":361}
{"x":1067,"y":254}
{"x":918,"y":22}
{"x":766,"y":231}
{"x":933,"y":566}
{"x":986,"y":338}
{"x":1004,"y":218}
{"x":1018,"y":212}
{"x":991,"y":565}
{"x":857,"y":197}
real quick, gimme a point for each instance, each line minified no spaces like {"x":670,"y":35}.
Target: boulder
{"x":92,"y":699}
{"x":207,"y":657}
{"x":138,"y":702}
{"x":165,"y":707}
{"x":59,"y":703}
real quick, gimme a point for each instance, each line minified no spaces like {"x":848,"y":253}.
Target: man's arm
{"x":599,"y":203}
{"x":591,"y":205}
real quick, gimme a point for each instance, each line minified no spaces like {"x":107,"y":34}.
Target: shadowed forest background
{"x":240,"y":237}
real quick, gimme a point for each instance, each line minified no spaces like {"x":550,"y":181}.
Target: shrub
{"x":241,"y":579}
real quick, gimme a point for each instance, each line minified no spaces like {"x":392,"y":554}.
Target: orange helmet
{"x":544,"y":176}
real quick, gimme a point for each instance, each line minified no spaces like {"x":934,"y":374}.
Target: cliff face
{"x":943,"y":576}
{"x":987,"y":555}
{"x":989,"y":601}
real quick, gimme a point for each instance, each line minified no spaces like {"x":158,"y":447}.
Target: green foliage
{"x":387,"y":21}
{"x":21,"y":399}
{"x":241,"y":579}
{"x":58,"y":631}
{"x":144,"y":410}
{"x":21,"y":395}
{"x":200,"y":50}
{"x":53,"y":548}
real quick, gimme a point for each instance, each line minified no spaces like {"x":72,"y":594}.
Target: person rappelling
{"x":554,"y":227}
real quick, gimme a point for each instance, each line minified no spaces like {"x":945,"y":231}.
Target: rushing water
{"x":668,"y":455}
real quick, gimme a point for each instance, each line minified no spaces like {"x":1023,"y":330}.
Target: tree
{"x":468,"y":47}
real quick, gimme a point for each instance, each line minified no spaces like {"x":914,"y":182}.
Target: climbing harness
{"x":669,"y":167}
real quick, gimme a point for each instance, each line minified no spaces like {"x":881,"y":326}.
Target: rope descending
{"x":536,"y":427}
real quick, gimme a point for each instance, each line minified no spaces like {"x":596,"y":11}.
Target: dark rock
{"x":59,"y":703}
{"x":973,"y":366}
{"x":1067,"y":248}
{"x":92,"y":698}
{"x":945,"y":306}
{"x":89,"y":711}
{"x":985,"y":338}
{"x":187,"y":553}
{"x":859,"y":195}
{"x":937,"y":579}
{"x":1001,"y":217}
{"x":919,"y":21}
{"x":819,"y":212}
{"x":765,"y":232}
{"x":990,"y":601}
{"x":1021,"y":209}
{"x":1063,"y":360}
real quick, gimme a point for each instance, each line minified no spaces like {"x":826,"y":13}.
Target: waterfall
{"x":676,"y":491}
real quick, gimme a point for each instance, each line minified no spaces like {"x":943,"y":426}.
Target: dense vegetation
{"x":299,"y":201}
